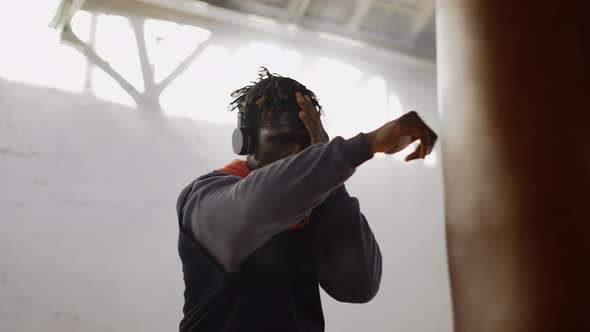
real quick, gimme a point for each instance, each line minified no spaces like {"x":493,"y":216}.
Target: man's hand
{"x":396,"y":135}
{"x":311,"y":119}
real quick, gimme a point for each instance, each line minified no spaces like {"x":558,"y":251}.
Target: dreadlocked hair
{"x":270,"y":93}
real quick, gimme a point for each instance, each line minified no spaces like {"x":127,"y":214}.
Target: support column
{"x":514,"y":100}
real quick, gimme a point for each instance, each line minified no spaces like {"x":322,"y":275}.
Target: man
{"x":258,"y":236}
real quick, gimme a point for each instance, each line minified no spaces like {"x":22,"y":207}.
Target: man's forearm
{"x":348,"y":259}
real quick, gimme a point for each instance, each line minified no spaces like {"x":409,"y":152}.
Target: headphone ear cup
{"x":242,"y":141}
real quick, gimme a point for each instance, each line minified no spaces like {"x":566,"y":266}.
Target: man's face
{"x":279,"y":136}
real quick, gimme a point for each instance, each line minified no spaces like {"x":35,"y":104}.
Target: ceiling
{"x":397,"y":27}
{"x":401,"y":25}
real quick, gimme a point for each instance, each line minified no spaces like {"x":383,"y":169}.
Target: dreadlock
{"x":270,"y":93}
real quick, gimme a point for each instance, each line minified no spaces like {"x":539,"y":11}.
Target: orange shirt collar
{"x":236,"y":167}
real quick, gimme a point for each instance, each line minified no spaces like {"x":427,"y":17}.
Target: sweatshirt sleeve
{"x":231,"y":217}
{"x":347,"y":256}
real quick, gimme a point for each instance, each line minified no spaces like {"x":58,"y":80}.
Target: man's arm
{"x":231,"y":217}
{"x":347,"y":256}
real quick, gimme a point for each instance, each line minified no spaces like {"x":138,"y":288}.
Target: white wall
{"x":89,"y":180}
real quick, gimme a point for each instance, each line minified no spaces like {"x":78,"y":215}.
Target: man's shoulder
{"x":202,"y":180}
{"x":189,"y":192}
{"x":205,"y":180}
{"x":212,"y":174}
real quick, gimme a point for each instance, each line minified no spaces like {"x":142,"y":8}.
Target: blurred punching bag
{"x":514,"y":101}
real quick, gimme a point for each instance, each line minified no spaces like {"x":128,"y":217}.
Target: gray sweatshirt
{"x":231,"y":217}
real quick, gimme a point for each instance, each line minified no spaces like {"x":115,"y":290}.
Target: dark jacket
{"x":245,"y":266}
